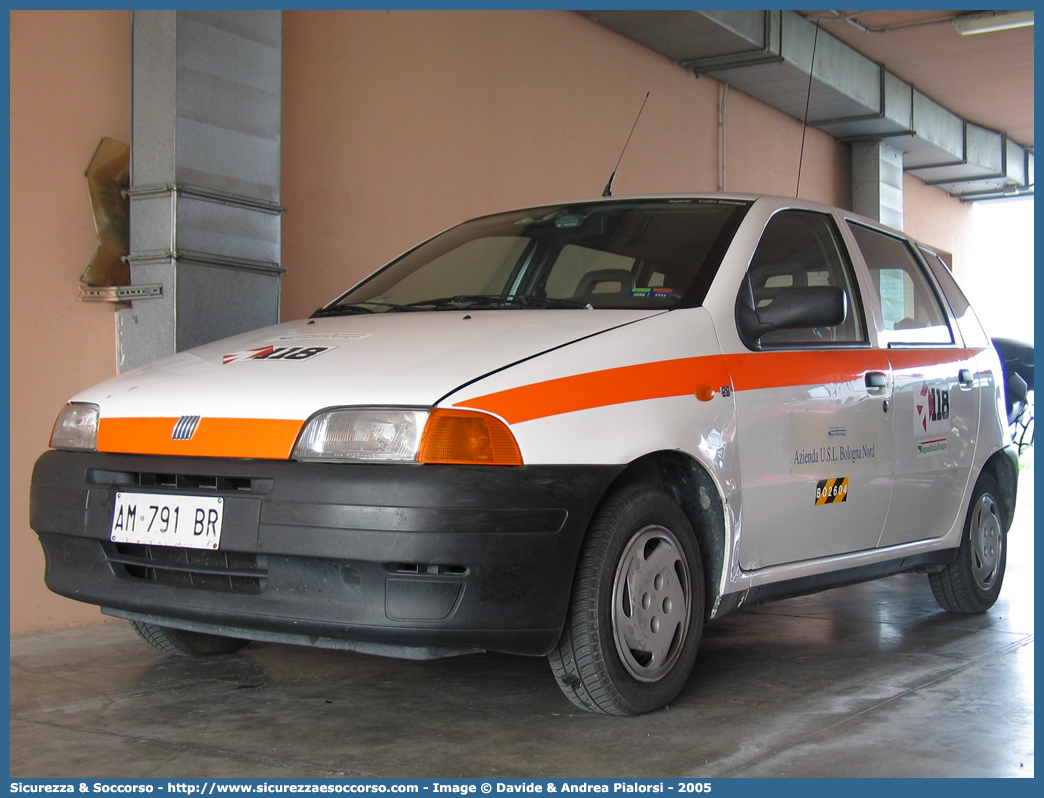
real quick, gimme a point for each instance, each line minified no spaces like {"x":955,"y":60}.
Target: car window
{"x":643,"y":254}
{"x":801,"y":249}
{"x":578,"y":271}
{"x":910,"y":308}
{"x":967,"y":321}
{"x":480,"y":266}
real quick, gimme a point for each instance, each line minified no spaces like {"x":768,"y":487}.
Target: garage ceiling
{"x":986,"y":78}
{"x":959,"y":108}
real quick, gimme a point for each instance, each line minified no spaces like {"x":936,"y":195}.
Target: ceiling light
{"x":991,"y":21}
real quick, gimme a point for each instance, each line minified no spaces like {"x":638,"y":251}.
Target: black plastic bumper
{"x":390,"y":556}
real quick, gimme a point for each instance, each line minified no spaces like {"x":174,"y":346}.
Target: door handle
{"x":876,"y":382}
{"x":964,"y":377}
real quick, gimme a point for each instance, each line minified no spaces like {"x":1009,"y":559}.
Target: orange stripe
{"x":602,"y":388}
{"x":275,"y":438}
{"x":753,"y":371}
{"x":913,"y":358}
{"x":747,"y":371}
{"x":215,"y":437}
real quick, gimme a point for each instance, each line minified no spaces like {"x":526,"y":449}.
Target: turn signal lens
{"x":466,"y":437}
{"x":76,"y":428}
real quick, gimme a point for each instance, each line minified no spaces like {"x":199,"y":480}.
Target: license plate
{"x":190,"y":522}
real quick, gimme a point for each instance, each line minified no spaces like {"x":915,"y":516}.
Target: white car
{"x":579,"y":430}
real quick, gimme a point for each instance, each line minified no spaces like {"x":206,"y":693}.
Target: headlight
{"x":76,"y":428}
{"x":403,"y":435}
{"x":375,"y":435}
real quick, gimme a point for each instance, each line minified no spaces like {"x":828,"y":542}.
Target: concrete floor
{"x":871,"y":680}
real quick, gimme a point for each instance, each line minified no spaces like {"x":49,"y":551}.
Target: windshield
{"x":646,"y":254}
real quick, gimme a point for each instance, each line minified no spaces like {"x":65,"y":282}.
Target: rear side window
{"x":974,"y":336}
{"x":801,"y":249}
{"x":910,"y":308}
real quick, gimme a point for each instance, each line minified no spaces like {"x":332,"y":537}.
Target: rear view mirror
{"x":790,"y":308}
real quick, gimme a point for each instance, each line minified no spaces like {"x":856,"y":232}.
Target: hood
{"x":292,"y":370}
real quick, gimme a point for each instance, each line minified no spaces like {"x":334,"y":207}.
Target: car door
{"x":936,"y":393}
{"x":813,"y":432}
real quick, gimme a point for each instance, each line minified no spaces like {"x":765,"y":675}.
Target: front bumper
{"x":397,"y":559}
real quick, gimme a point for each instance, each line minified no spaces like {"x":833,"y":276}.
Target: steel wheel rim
{"x":987,"y":542}
{"x":652,"y":602}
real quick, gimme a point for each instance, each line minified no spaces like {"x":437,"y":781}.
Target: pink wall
{"x":396,"y":124}
{"x":70,"y":86}
{"x":764,"y":149}
{"x":937,"y":219}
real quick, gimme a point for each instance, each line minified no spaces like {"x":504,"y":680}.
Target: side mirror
{"x":790,"y":309}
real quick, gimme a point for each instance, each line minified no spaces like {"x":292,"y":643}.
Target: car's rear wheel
{"x":972,"y":582}
{"x":637,"y":608}
{"x":183,"y":643}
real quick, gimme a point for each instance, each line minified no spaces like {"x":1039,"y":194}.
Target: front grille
{"x":220,"y":571}
{"x":192,"y":482}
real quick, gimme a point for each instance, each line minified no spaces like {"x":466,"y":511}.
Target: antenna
{"x":804,"y":122}
{"x":608,"y":192}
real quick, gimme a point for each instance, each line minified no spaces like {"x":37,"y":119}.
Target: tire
{"x":620,"y":654}
{"x":186,"y":644}
{"x":972,"y":582}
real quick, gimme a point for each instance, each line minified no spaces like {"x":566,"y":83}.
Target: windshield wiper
{"x":477,"y":301}
{"x":355,"y":307}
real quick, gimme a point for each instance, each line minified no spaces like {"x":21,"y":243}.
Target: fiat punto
{"x":576,"y":431}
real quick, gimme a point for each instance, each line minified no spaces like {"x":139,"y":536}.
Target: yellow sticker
{"x":831,"y":491}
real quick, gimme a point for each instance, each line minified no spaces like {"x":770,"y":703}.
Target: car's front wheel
{"x":183,"y":643}
{"x":972,"y":582}
{"x":637,"y":608}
